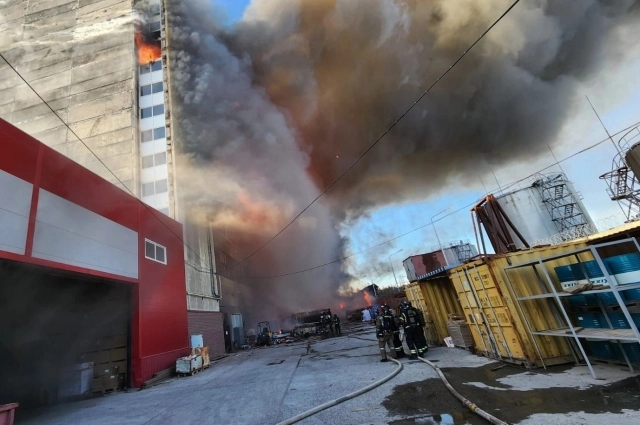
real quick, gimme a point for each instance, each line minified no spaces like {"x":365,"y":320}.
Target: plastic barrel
{"x":632,"y":350}
{"x":602,"y":349}
{"x":624,"y":263}
{"x":618,"y":321}
{"x":589,"y":320}
{"x":588,"y":300}
{"x":591,"y":267}
{"x":631,"y":295}
{"x":565,"y":273}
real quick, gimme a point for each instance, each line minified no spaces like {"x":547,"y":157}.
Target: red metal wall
{"x":159,"y":317}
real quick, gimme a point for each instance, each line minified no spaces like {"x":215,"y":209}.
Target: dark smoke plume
{"x":272,"y":111}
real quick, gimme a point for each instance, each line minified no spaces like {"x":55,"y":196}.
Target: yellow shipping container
{"x":437,"y":298}
{"x":490,"y":309}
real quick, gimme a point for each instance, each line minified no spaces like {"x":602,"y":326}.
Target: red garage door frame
{"x":159,"y":316}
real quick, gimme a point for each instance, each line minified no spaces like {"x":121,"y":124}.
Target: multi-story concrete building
{"x":101,"y":65}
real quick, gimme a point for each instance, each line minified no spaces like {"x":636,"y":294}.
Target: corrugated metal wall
{"x":441,"y":300}
{"x":437,"y":299}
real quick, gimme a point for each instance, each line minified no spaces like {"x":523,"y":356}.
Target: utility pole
{"x":436,"y":232}
{"x":392,"y":270}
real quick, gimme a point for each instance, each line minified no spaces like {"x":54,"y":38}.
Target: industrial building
{"x":102,"y":66}
{"x":91,"y":279}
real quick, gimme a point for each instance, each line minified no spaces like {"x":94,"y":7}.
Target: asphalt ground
{"x":268,"y":385}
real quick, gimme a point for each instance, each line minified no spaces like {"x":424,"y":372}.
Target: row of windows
{"x":153,"y":160}
{"x":154,"y":66}
{"x":155,"y":134}
{"x":154,"y":188}
{"x":154,"y":251}
{"x":152,"y":111}
{"x":151,"y":88}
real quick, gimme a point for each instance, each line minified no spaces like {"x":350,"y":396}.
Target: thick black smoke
{"x":271,"y":112}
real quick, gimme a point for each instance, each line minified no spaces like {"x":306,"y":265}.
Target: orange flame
{"x":367,"y":298}
{"x":342,"y":305}
{"x":147,"y":52}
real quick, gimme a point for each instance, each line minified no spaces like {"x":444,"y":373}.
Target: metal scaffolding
{"x":561,"y":202}
{"x":622,"y":185}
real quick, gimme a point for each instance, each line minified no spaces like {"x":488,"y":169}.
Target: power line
{"x":151,"y":210}
{"x":381,"y":136}
{"x":446,"y":215}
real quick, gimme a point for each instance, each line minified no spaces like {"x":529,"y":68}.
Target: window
{"x":145,"y":69}
{"x":150,"y":135}
{"x":160,"y":158}
{"x":146,"y":136}
{"x":154,"y":26}
{"x":152,"y":111}
{"x":158,"y":110}
{"x":165,"y":211}
{"x":148,"y":189}
{"x":156,"y":66}
{"x":158,"y":133}
{"x":155,"y":9}
{"x":153,"y":160}
{"x":160,"y":186}
{"x":155,"y":252}
{"x":151,"y":88}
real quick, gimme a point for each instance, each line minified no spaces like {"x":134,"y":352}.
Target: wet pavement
{"x":265,"y":386}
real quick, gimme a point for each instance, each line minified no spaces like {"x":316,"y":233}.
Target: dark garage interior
{"x":63,"y":335}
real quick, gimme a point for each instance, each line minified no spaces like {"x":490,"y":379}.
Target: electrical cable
{"x":391,"y":127}
{"x":509,"y":185}
{"x":151,"y":210}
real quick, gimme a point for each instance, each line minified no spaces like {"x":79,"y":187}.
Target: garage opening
{"x":63,"y":335}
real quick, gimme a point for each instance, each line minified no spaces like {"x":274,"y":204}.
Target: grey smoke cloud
{"x":271,"y":112}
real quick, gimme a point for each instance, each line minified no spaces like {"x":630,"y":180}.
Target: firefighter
{"x":397,"y":343}
{"x":385,"y":326}
{"x":409,"y":321}
{"x":421,"y":341}
{"x":336,"y":324}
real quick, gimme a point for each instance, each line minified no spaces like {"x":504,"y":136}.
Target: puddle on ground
{"x":420,"y":400}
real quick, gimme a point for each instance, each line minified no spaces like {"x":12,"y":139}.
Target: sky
{"x":618,"y":108}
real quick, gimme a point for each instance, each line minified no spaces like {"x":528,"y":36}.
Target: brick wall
{"x":209,"y":325}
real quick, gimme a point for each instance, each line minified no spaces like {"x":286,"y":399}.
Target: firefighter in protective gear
{"x":409,"y":321}
{"x":421,"y":341}
{"x":397,"y":343}
{"x":336,"y":324}
{"x":385,"y":326}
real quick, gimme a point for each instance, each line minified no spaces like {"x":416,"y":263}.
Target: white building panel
{"x":156,"y":76}
{"x":146,"y":101}
{"x":69,"y":234}
{"x":153,"y":174}
{"x":147,"y":124}
{"x":15,"y":204}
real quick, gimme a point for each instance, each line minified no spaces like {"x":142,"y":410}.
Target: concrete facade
{"x":78,"y":56}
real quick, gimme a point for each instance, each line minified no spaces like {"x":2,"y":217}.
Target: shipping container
{"x":437,"y":298}
{"x":497,"y":324}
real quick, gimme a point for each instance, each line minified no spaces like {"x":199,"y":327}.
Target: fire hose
{"x":470,"y":405}
{"x":344,"y":398}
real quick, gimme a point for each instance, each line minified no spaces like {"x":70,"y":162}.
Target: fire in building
{"x":102,"y":66}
